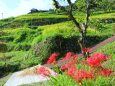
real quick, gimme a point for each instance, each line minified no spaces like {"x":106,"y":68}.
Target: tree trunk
{"x":82,"y":29}
{"x":82,"y":44}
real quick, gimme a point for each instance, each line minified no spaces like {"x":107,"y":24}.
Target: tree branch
{"x":72,"y":17}
{"x":56,"y":4}
{"x":87,"y":14}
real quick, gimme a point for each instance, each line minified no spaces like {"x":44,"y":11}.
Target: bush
{"x":18,"y":46}
{"x":97,"y":24}
{"x":55,"y":44}
{"x":3,"y":47}
{"x":37,"y":39}
{"x":22,"y":46}
{"x":21,"y":36}
{"x":44,"y":49}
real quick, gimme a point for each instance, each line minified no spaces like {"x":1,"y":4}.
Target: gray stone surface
{"x":27,"y":76}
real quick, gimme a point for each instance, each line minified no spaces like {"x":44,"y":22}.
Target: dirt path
{"x":93,"y":49}
{"x":111,"y":39}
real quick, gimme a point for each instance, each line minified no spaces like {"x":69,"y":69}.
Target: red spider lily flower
{"x":106,"y":72}
{"x":93,"y":62}
{"x":80,"y":75}
{"x":43,"y":71}
{"x":71,"y":71}
{"x":85,"y":49}
{"x":75,"y":56}
{"x":68,"y":55}
{"x":90,"y":75}
{"x":68,"y":65}
{"x":72,"y":62}
{"x":96,"y":59}
{"x":65,"y":67}
{"x":52,"y":58}
{"x":100,"y":56}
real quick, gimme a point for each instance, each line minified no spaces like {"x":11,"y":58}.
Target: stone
{"x":28,"y":76}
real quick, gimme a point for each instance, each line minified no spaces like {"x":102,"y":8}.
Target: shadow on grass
{"x":7,"y":68}
{"x":62,"y":45}
{"x":93,"y":40}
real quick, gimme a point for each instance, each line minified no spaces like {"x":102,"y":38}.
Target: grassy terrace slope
{"x":19,"y":45}
{"x":32,"y":20}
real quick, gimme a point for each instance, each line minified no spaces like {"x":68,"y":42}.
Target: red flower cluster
{"x":72,"y":61}
{"x":71,"y":71}
{"x":85,"y":49}
{"x":70,"y":68}
{"x":52,"y":58}
{"x":96,"y":59}
{"x":79,"y":75}
{"x":43,"y":71}
{"x":65,"y":67}
{"x":70,"y":55}
{"x":106,"y":72}
{"x":68,"y":65}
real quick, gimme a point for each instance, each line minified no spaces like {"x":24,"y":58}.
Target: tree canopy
{"x":99,"y":5}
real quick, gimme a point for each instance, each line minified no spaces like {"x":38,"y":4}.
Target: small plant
{"x":52,"y":58}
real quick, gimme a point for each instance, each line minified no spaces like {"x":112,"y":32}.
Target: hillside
{"x":29,"y":39}
{"x":32,"y":20}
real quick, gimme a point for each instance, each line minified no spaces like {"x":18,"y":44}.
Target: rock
{"x":27,"y":76}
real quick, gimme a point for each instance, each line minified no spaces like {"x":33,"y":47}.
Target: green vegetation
{"x":98,"y":5}
{"x":37,"y":44}
{"x":63,"y":80}
{"x":29,"y":40}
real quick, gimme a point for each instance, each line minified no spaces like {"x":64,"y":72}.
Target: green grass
{"x":64,"y":80}
{"x":38,"y":84}
{"x":108,"y":49}
{"x":4,"y":79}
{"x":104,"y":16}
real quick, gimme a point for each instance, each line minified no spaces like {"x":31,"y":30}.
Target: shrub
{"x":37,"y":39}
{"x":3,"y":47}
{"x":45,"y":48}
{"x":55,"y":44}
{"x":97,"y":24}
{"x":22,"y":46}
{"x":18,"y":46}
{"x":21,"y":36}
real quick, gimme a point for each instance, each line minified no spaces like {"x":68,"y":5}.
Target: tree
{"x":100,"y":5}
{"x":33,"y":10}
{"x":58,"y":7}
{"x":82,"y":28}
{"x":82,"y":7}
{"x":106,"y":5}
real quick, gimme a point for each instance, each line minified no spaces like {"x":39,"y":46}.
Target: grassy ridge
{"x":32,"y":20}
